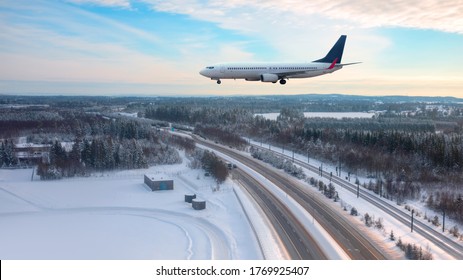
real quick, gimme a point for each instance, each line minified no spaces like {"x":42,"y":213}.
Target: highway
{"x":445,"y":243}
{"x":298,"y":243}
{"x":354,"y":243}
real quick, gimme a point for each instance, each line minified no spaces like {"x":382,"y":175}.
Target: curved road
{"x":355,"y":244}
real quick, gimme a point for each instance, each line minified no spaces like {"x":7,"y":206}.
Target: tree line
{"x":220,"y":135}
{"x":203,"y":115}
{"x":210,"y":163}
{"x":99,"y":143}
{"x":99,"y":154}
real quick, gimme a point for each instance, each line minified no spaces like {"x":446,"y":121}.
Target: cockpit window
{"x":210,"y":67}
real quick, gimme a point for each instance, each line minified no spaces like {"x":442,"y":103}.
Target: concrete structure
{"x":189,"y":197}
{"x":158,"y":183}
{"x":198,"y":204}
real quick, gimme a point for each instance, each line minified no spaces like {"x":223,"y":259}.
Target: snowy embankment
{"x":349,"y":200}
{"x":269,"y":242}
{"x":115,"y":216}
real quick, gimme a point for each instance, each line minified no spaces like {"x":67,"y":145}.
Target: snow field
{"x":115,"y":216}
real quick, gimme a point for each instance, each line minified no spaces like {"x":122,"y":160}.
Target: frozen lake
{"x":333,"y":115}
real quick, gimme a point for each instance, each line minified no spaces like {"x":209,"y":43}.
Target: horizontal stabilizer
{"x":346,"y":64}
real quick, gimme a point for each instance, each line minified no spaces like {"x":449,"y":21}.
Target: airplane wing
{"x":282,"y":75}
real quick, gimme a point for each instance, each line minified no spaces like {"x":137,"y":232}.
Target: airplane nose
{"x":203,"y":72}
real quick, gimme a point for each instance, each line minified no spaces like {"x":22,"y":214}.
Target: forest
{"x":98,"y":142}
{"x":411,"y":149}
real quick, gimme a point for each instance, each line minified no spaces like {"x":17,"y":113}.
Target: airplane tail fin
{"x":336,"y":51}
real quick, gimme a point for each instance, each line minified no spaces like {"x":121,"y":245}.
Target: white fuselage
{"x":261,"y":71}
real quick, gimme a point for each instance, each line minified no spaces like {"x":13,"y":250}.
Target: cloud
{"x":57,"y":42}
{"x":234,"y":14}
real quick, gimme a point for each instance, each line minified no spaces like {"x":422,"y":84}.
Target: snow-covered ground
{"x":115,"y":216}
{"x":349,"y":200}
{"x":333,"y":115}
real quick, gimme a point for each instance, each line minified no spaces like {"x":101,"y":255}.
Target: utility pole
{"x":411,"y":228}
{"x":308,"y":159}
{"x":443,"y":220}
{"x":381,"y":188}
{"x":293,"y":156}
{"x":358,"y":190}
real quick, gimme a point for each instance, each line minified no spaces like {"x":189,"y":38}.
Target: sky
{"x":153,"y":47}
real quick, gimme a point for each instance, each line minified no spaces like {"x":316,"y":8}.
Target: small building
{"x":198,"y":204}
{"x":32,"y":153}
{"x":159,"y":183}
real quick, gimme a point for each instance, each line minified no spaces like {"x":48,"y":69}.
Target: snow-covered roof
{"x":159,"y":177}
{"x":31,"y":145}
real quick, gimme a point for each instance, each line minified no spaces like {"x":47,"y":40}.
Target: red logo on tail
{"x":333,"y":64}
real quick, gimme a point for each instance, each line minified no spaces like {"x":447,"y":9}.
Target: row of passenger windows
{"x":247,"y":68}
{"x":297,"y":68}
{"x":274,"y":68}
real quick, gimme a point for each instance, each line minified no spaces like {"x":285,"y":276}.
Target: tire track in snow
{"x":212,"y":234}
{"x":22,"y":199}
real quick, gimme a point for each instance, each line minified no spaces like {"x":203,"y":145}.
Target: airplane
{"x":273,"y":72}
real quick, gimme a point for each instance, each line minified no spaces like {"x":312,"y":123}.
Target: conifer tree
{"x":391,"y":236}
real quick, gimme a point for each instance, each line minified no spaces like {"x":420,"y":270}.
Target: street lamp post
{"x":443,"y":219}
{"x":411,"y":227}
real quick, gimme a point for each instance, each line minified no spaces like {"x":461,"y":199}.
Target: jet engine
{"x":269,"y":78}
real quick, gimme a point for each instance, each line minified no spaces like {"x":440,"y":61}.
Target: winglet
{"x":333,"y":64}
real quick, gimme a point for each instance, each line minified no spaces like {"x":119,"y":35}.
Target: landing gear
{"x":219,"y":82}
{"x":282,"y":81}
